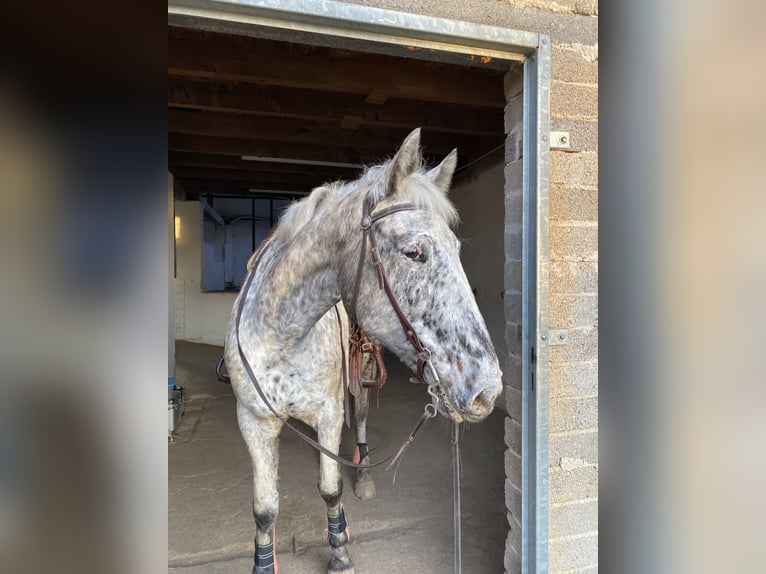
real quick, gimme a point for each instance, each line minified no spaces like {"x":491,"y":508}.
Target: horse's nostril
{"x":483,"y":401}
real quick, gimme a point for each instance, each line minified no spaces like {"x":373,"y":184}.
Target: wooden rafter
{"x":232,"y":96}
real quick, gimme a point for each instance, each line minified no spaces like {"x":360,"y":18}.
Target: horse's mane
{"x":374,"y":180}
{"x":301,"y":212}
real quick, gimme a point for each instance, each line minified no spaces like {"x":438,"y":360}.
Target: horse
{"x":409,"y":292}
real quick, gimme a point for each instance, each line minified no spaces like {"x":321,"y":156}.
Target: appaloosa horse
{"x":408,"y":291}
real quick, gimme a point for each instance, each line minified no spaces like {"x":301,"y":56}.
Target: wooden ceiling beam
{"x":265,"y":148}
{"x":303,"y":179}
{"x":331,"y":107}
{"x":202,"y":160}
{"x":197,"y":186}
{"x":261,"y":148}
{"x":270,"y":63}
{"x":303,"y":132}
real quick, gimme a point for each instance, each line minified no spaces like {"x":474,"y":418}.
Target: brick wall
{"x":514,"y":122}
{"x":573,"y":375}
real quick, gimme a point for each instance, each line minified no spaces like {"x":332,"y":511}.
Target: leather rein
{"x":424,"y":355}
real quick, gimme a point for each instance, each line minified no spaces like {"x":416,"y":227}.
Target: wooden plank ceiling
{"x":233,"y":96}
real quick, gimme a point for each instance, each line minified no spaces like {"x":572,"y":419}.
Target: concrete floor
{"x":407,"y":528}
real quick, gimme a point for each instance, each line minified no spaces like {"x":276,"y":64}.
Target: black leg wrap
{"x":264,"y":559}
{"x":363,"y":452}
{"x":337,"y":530}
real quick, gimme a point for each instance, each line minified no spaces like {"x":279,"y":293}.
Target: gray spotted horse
{"x":408,"y":291}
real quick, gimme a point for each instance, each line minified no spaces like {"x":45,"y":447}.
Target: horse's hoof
{"x":264,"y":570}
{"x":340,"y":562}
{"x":340,"y":566}
{"x":364,"y":486}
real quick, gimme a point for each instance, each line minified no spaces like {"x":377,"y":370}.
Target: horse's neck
{"x":300,"y":286}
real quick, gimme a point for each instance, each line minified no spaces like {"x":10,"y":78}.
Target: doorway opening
{"x":271,"y":100}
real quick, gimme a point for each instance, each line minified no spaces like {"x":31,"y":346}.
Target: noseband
{"x":424,"y":355}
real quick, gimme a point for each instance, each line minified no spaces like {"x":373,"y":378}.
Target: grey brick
{"x":573,"y":276}
{"x":512,"y":371}
{"x":512,"y":463}
{"x":513,"y":501}
{"x":583,"y":134}
{"x":514,"y":176}
{"x":573,"y":414}
{"x":514,"y":113}
{"x":513,"y":434}
{"x":514,"y":144}
{"x":512,"y":560}
{"x":579,"y":446}
{"x":562,"y":27}
{"x":575,"y":169}
{"x":572,"y":484}
{"x":513,"y":403}
{"x":572,"y":519}
{"x":513,"y":243}
{"x":587,"y":7}
{"x":569,"y":204}
{"x":572,"y":553}
{"x":574,"y":100}
{"x":573,"y":311}
{"x":512,"y":309}
{"x":513,"y":348}
{"x":514,"y":203}
{"x":587,"y":570}
{"x":574,"y":63}
{"x":573,"y":379}
{"x":573,"y":243}
{"x":513,"y":82}
{"x":514,"y":535}
{"x":583,"y":346}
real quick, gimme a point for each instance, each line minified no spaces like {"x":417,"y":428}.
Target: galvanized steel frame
{"x":534,"y":329}
{"x":384,"y":26}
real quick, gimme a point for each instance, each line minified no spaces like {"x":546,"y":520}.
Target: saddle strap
{"x":363,"y":347}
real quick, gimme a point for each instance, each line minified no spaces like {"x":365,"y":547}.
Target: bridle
{"x":369,"y":218}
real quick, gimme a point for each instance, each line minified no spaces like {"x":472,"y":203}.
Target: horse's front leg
{"x":364,"y":485}
{"x":261,"y":436}
{"x":331,"y":488}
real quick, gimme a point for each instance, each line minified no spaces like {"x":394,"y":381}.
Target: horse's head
{"x":421,"y":257}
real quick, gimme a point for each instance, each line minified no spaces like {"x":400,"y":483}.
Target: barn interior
{"x":255,"y":122}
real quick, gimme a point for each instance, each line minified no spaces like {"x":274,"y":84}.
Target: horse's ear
{"x":406,"y":160}
{"x":442,"y":173}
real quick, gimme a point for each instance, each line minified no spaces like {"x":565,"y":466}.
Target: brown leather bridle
{"x":368,"y":220}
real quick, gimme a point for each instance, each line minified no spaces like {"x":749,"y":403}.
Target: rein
{"x":424,"y":358}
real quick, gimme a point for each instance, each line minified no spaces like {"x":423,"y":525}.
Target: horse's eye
{"x":414,"y":252}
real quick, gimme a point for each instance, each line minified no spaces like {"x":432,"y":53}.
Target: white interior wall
{"x":481,"y":204}
{"x":171,"y":311}
{"x":199,"y":316}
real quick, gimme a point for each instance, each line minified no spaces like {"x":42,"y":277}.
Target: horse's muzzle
{"x":480,"y":406}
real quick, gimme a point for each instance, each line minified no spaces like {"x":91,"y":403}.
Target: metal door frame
{"x":365,"y":23}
